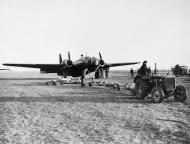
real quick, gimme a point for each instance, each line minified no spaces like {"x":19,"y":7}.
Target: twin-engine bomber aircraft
{"x":77,"y":68}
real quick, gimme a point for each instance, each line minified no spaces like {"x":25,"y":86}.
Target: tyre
{"x":180,"y":94}
{"x":157,"y":94}
{"x":141,"y":89}
{"x":54,"y":82}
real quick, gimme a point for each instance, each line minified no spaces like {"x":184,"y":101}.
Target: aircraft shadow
{"x":26,"y":78}
{"x":31,"y":84}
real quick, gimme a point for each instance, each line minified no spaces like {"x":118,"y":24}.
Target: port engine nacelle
{"x":67,"y":62}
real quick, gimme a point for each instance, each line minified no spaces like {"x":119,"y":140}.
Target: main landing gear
{"x":83,"y":77}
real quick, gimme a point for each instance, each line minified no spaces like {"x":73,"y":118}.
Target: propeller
{"x":101,"y":64}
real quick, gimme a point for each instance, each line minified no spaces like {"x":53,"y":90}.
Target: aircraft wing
{"x":121,"y":64}
{"x":4,"y":69}
{"x":43,"y":67}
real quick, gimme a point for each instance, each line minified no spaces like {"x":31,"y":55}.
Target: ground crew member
{"x":97,"y":74}
{"x":132,"y":73}
{"x":101,"y":72}
{"x":149,"y":71}
{"x":143,"y":70}
{"x":107,"y":72}
{"x":82,"y":80}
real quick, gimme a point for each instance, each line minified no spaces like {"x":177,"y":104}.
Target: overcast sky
{"x":36,"y":31}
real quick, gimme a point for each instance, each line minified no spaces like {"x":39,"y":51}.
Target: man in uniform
{"x":143,"y":70}
{"x":149,"y":71}
{"x":132,"y":73}
{"x":101,"y":73}
{"x":107,"y":72}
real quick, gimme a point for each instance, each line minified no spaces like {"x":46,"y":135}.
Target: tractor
{"x":158,"y":87}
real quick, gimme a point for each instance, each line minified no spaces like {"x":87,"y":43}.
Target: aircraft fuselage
{"x":78,"y":66}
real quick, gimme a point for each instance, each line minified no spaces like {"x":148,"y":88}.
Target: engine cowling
{"x":68,"y":62}
{"x":94,"y":61}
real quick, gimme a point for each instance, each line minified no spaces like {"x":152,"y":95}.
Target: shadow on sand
{"x":26,"y":79}
{"x":72,"y":99}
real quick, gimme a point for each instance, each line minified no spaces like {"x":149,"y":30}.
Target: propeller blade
{"x":69,"y":57}
{"x":100,"y":55}
{"x":69,"y":62}
{"x":101,"y":60}
{"x":60,"y":59}
{"x":97,"y":68}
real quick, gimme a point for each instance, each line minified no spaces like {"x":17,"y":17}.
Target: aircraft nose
{"x":94,"y":61}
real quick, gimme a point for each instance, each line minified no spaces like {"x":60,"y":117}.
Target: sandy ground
{"x":32,"y":112}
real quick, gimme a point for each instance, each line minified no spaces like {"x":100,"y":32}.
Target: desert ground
{"x":32,"y":112}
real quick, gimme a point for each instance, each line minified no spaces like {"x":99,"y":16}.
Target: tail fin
{"x":60,"y":59}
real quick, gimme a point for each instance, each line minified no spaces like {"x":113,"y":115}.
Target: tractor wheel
{"x":157,"y":94}
{"x":141,"y":89}
{"x":180,"y":94}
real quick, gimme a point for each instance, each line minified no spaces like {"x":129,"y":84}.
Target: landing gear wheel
{"x":157,"y":94}
{"x":97,"y":74}
{"x":141,"y":89}
{"x":84,"y":72}
{"x":180,"y":94}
